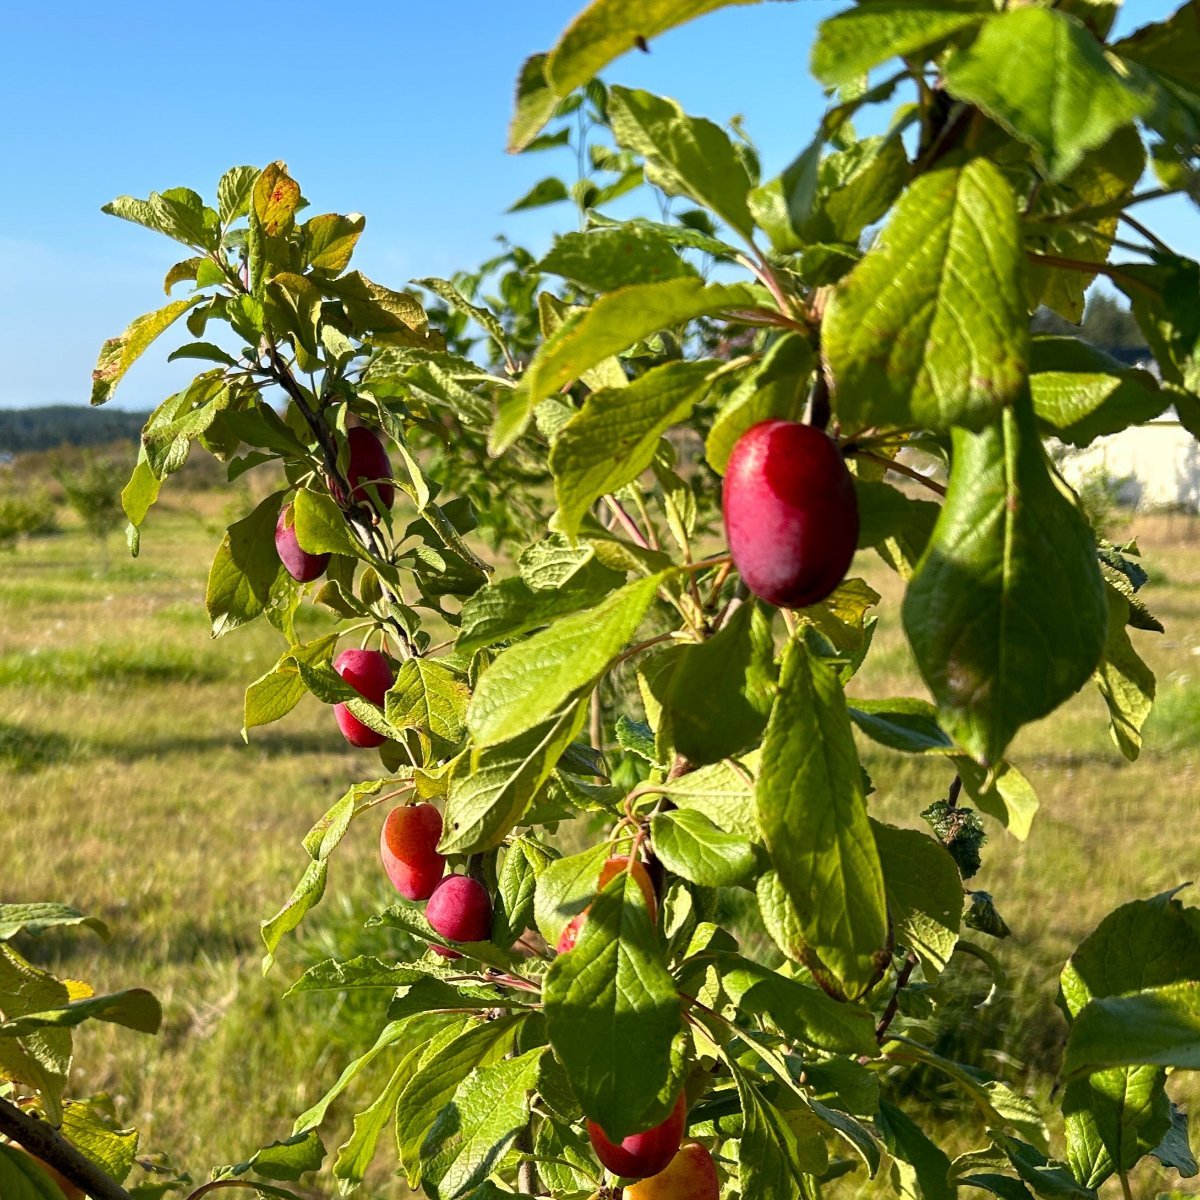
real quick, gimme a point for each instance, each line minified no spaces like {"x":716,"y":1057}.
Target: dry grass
{"x":129,"y":793}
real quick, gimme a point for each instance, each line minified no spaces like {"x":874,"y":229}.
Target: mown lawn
{"x":129,"y":793}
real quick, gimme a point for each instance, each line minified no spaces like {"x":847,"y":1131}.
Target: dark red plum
{"x":641,"y":1154}
{"x":368,"y":463}
{"x":408,"y":847}
{"x":300,"y":565}
{"x":791,"y":515}
{"x":460,"y":909}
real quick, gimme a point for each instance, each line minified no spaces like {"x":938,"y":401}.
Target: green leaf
{"x":602,"y":260}
{"x":475,"y":1129}
{"x":430,"y":697}
{"x":288,"y":1160}
{"x":853,"y":42}
{"x":612,"y":1011}
{"x":1113,"y":1117}
{"x":1158,"y":1026}
{"x":1006,"y":614}
{"x":1044,"y":1175}
{"x":352,"y":974}
{"x":1125,"y":681}
{"x":566,"y":887}
{"x":113,"y":1150}
{"x":551,"y":190}
{"x":615,"y":321}
{"x":775,"y":387}
{"x":930,"y":329}
{"x":813,"y":814}
{"x":320,"y":525}
{"x":1175,"y":1149}
{"x":685,"y":156}
{"x":528,"y":682}
{"x":855,"y":188}
{"x":329,"y":241}
{"x":135,"y":1008}
{"x":492,"y":788}
{"x":178,"y":212}
{"x":524,"y":862}
{"x":234,"y":192}
{"x":733,"y":674}
{"x":118,"y":354}
{"x":1082,"y":394}
{"x":922,"y":1166}
{"x":42,"y":1058}
{"x":613,"y":437}
{"x":273,"y":695}
{"x":924,"y":893}
{"x":800,"y":1011}
{"x":357,"y":1152}
{"x":1062,"y":113}
{"x":320,"y":843}
{"x":902,"y":724}
{"x":484,"y":317}
{"x":607,"y":29}
{"x":535,"y":103}
{"x":771,"y":1163}
{"x":723,"y":792}
{"x":781,"y":206}
{"x":689,"y":845}
{"x":508,"y":608}
{"x":246,"y":573}
{"x":34,"y":919}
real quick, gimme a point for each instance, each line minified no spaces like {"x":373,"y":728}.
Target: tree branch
{"x":889,"y":1013}
{"x":898,"y":467}
{"x":40,"y":1138}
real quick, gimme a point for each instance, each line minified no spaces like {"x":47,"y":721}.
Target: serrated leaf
{"x":1125,"y":681}
{"x":1157,"y":1026}
{"x":602,"y":260}
{"x":273,"y":695}
{"x":35,"y":919}
{"x":606,"y":29}
{"x":613,"y":438}
{"x":1062,"y":114}
{"x":621,"y":318}
{"x":689,"y":845}
{"x":612,"y":1011}
{"x":550,"y":190}
{"x":234,"y":191}
{"x":329,"y":241}
{"x":320,"y":525}
{"x":930,"y":329}
{"x":924,"y":892}
{"x":771,"y":1163}
{"x":685,"y":156}
{"x":477,"y":1127}
{"x":246,"y":572}
{"x":1006,"y":614}
{"x":813,"y":815}
{"x":853,"y":42}
{"x":723,"y":792}
{"x":118,"y":354}
{"x":492,"y":788}
{"x":532,"y":679}
{"x":427,"y":696}
{"x":135,"y":1008}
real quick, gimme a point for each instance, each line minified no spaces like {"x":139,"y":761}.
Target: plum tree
{"x":408,"y":847}
{"x":369,"y":673}
{"x":690,"y":1175}
{"x":300,"y":565}
{"x":610,"y":870}
{"x":460,"y":909}
{"x":642,"y":1154}
{"x":367,"y":466}
{"x":791,"y":515}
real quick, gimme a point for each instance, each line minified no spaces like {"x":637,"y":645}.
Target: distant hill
{"x":66,"y":424}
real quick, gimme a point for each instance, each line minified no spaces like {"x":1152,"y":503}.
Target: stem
{"x":1148,"y":234}
{"x":626,"y":522}
{"x":1126,"y":1191}
{"x":819,"y":411}
{"x":1089,"y":268}
{"x":898,"y":467}
{"x":889,"y":1013}
{"x":40,"y":1138}
{"x":527,"y":1176}
{"x":955,"y":791}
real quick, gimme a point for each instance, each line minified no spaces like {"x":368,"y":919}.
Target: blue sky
{"x":397,"y":110}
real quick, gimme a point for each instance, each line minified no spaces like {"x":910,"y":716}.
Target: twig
{"x":1090,"y":268}
{"x":626,"y":521}
{"x":1148,"y":234}
{"x":889,"y":1013}
{"x":898,"y":467}
{"x":42,"y":1140}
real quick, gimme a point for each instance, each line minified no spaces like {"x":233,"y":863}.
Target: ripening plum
{"x":641,"y":1154}
{"x":570,"y":935}
{"x":300,"y":565}
{"x":460,"y":909}
{"x":791,"y":515}
{"x":408,"y":847}
{"x":368,"y":463}
{"x":690,"y":1175}
{"x":68,"y":1189}
{"x":369,"y":673}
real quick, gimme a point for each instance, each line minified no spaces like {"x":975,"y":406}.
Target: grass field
{"x":129,"y":793}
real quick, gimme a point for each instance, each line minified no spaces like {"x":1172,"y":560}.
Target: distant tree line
{"x":1107,"y":324}
{"x":23,"y":429}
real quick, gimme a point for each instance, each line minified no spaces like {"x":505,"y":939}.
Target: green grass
{"x":129,"y":793}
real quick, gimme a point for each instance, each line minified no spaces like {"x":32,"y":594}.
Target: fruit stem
{"x":889,"y":1013}
{"x":626,"y":521}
